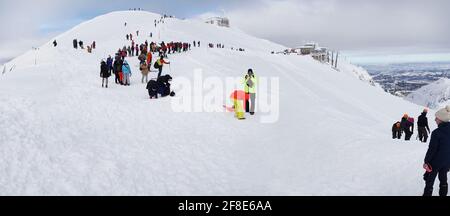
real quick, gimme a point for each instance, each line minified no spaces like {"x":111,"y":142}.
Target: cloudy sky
{"x":363,"y":29}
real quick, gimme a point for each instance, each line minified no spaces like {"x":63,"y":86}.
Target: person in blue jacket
{"x":437,"y":159}
{"x":126,"y":73}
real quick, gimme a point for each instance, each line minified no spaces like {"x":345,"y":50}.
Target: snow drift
{"x":62,"y":134}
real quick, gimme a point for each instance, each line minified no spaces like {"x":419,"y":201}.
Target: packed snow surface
{"x":62,"y":134}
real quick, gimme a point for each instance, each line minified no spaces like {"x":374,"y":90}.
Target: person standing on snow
{"x":159,"y":65}
{"x":422,"y":126}
{"x":437,"y":159}
{"x":407,"y":127}
{"x":396,"y":131}
{"x":144,"y":70}
{"x":126,"y":73}
{"x":250,"y":88}
{"x":149,"y":59}
{"x":75,"y":43}
{"x":104,"y":73}
{"x":118,"y":70}
{"x":137,"y":50}
{"x":109,"y":63}
{"x":129,"y":51}
{"x":142,"y":58}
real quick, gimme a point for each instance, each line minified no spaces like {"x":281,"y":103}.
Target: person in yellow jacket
{"x":250,"y":82}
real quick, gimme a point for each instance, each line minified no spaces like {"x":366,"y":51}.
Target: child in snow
{"x":396,"y":131}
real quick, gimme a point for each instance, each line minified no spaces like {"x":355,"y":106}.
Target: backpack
{"x":156,"y":65}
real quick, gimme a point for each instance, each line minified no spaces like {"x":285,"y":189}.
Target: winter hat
{"x":444,"y":114}
{"x":250,"y":71}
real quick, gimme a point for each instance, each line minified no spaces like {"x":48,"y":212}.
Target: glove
{"x":428,"y":168}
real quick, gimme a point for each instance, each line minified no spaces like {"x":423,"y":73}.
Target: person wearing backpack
{"x":142,"y":58}
{"x":250,"y":89}
{"x":126,"y":73}
{"x":437,"y":158}
{"x":159,"y":65}
{"x":396,"y":131}
{"x":104,"y":73}
{"x":422,"y":126}
{"x":144,"y":71}
{"x":407,"y":126}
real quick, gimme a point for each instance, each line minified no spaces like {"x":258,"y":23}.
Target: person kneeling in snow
{"x":396,"y":131}
{"x":437,"y":159}
{"x":238,"y":97}
{"x":161,"y":86}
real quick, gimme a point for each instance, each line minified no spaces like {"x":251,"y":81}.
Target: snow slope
{"x":435,"y":95}
{"x":62,"y":134}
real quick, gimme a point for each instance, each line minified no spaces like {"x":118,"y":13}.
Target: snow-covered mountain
{"x":434,"y":95}
{"x":62,"y":134}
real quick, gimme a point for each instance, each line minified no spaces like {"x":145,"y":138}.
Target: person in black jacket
{"x":422,"y":126}
{"x":75,"y":43}
{"x":396,"y":131}
{"x":160,"y":86}
{"x":104,"y":73}
{"x":437,"y":159}
{"x":118,"y":63}
{"x":407,"y":127}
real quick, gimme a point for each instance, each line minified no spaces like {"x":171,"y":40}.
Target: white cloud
{"x":348,"y":24}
